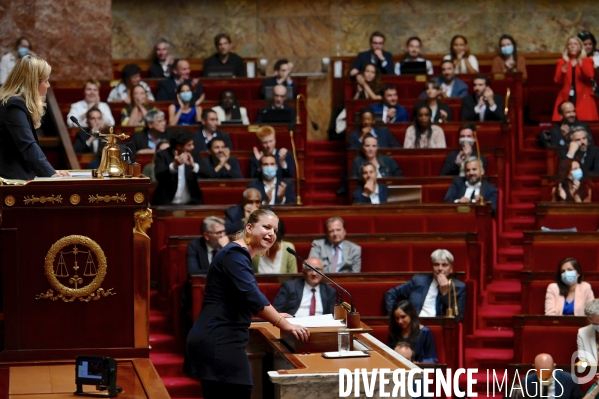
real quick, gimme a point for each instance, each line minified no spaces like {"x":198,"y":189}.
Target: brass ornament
{"x":107,"y":198}
{"x":42,"y":199}
{"x":143,"y":220}
{"x":9,"y":200}
{"x":139,"y":198}
{"x":247,"y":239}
{"x":75,"y":199}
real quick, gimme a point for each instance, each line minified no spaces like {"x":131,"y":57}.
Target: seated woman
{"x":277,"y":259}
{"x":508,"y":60}
{"x":148,"y":170}
{"x":569,"y":294}
{"x":423,"y":134}
{"x":385,"y":166}
{"x":440,"y":112}
{"x":371,"y":192}
{"x":228,"y":109}
{"x":7,"y":62}
{"x":404,"y":326}
{"x":590,"y":46}
{"x":369,"y":85}
{"x":130,"y":77}
{"x":572,"y":184}
{"x":134,"y":113}
{"x":459,"y":54}
{"x":183,"y":112}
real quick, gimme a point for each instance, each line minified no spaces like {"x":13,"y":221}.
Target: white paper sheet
{"x":326,"y":320}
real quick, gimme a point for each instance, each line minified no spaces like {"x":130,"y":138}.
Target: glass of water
{"x":343,"y":338}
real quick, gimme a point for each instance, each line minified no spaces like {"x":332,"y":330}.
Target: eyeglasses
{"x":217,"y":233}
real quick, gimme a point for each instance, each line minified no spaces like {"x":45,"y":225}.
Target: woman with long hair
{"x":183,"y":111}
{"x":385,"y":165}
{"x":216,"y":343}
{"x":569,"y":294}
{"x":423,"y":134}
{"x":368,"y":84}
{"x":459,"y":54}
{"x":440,"y":112}
{"x":134,"y":113}
{"x":572,"y":183}
{"x":22,"y":106}
{"x":277,"y":260}
{"x":404,"y":326}
{"x":508,"y":60}
{"x":590,"y":46}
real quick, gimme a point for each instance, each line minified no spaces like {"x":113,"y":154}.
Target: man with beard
{"x":221,"y":164}
{"x":560,"y":132}
{"x":224,"y":57}
{"x":451,"y":87}
{"x":580,"y":149}
{"x":413,"y":54}
{"x":483,"y":105}
{"x":467,"y":189}
{"x":391,"y":111}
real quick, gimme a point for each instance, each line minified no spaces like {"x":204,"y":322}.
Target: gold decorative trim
{"x":107,"y":198}
{"x":139,"y":198}
{"x":42,"y":200}
{"x":9,"y":200}
{"x":143,"y":220}
{"x":75,"y":199}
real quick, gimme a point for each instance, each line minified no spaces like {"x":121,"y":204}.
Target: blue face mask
{"x":577,"y":174}
{"x":186,"y":96}
{"x":507,"y":50}
{"x":569,"y":277}
{"x":269,"y":172}
{"x":23,"y":51}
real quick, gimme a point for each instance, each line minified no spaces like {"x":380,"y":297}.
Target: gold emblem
{"x":42,"y":200}
{"x":75,"y":199}
{"x":143,"y":220}
{"x":139,"y":198}
{"x":64,"y":275}
{"x":107,"y":198}
{"x":9,"y":200}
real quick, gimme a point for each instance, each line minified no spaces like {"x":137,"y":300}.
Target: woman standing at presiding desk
{"x":22,"y":99}
{"x":569,"y":294}
{"x":216,"y":343}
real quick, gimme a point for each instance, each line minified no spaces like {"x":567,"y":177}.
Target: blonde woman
{"x":22,"y":100}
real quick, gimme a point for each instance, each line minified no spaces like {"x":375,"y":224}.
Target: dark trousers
{"x":220,"y":390}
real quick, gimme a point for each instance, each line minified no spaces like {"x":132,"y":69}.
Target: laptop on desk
{"x":277,"y":116}
{"x":404,"y":194}
{"x":413,"y":68}
{"x":223,"y":71}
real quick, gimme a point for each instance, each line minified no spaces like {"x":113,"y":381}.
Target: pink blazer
{"x":554,"y":302}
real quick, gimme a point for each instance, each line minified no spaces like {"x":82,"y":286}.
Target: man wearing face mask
{"x":586,"y":339}
{"x":274,"y":191}
{"x":483,"y":105}
{"x":7,"y":62}
{"x":454,"y":162}
{"x":560,"y":132}
{"x":580,"y":149}
{"x":268,"y":143}
{"x":467,"y":189}
{"x":547,"y":382}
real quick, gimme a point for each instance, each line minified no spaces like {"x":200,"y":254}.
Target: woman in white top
{"x":423,"y":134}
{"x":460,"y":55}
{"x":22,"y":48}
{"x":276,"y":260}
{"x":91,"y":91}
{"x":228,"y":109}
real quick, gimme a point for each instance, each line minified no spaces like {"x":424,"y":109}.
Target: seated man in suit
{"x":432,"y":294}
{"x":413,"y":53}
{"x":483,"y":105}
{"x":282,"y":76}
{"x":454,"y":161}
{"x":167,"y":88}
{"x":306,"y":296}
{"x":267,"y":137}
{"x":145,"y":141}
{"x":467,"y":189}
{"x":177,"y":171}
{"x":389,"y":108}
{"x":279,"y":94}
{"x":208,"y":131}
{"x":586,"y":338}
{"x":201,"y":251}
{"x":371,"y":192}
{"x":547,"y":382}
{"x":237,"y":215}
{"x":161,"y":67}
{"x":222,"y":165}
{"x":274,"y":190}
{"x":84,"y":143}
{"x":336,"y":253}
{"x":376,"y":55}
{"x":224,"y":57}
{"x":451,"y":86}
{"x":559,"y":133}
{"x":581,"y":150}
{"x":382,"y":134}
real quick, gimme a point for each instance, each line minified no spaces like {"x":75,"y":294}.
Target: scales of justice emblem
{"x":66,"y":275}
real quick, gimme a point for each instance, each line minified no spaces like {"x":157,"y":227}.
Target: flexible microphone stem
{"x":76,"y":122}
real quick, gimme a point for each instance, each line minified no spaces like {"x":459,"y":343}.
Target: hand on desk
{"x":62,"y":173}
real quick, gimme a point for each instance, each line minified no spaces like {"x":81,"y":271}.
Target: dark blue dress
{"x":216,"y":343}
{"x":188,"y":118}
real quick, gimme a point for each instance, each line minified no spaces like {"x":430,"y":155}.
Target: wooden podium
{"x":75,"y":275}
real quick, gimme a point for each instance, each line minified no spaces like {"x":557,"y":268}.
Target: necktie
{"x":313,"y":303}
{"x":214,"y":252}
{"x":335,"y":259}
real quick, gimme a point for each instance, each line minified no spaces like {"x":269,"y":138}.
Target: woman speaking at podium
{"x":22,"y":98}
{"x":216,"y":343}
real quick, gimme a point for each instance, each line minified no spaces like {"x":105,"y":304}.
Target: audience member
{"x":430,"y":293}
{"x":180,"y":73}
{"x":201,"y":251}
{"x":404,"y":326}
{"x":560,"y":132}
{"x":389,"y":108}
{"x":590,"y":46}
{"x":376,"y":55}
{"x":277,"y":260}
{"x":306,"y":296}
{"x":149,"y":169}
{"x":405,"y":349}
{"x":268,"y":142}
{"x":454,"y":161}
{"x":208,"y":131}
{"x":450,"y":85}
{"x":467,"y":189}
{"x":412,"y":54}
{"x":279,"y":94}
{"x":85,"y":143}
{"x":130,"y":77}
{"x":581,"y":150}
{"x":282,"y":77}
{"x":177,"y":171}
{"x":337,"y":254}
{"x":508,"y":60}
{"x":163,"y":61}
{"x":572,"y":184}
{"x":547,"y":382}
{"x":483,"y":105}
{"x":459,"y":54}
{"x":228,"y":109}
{"x":224,"y":57}
{"x":91,"y":91}
{"x":423,"y":134}
{"x":22,"y":47}
{"x":569,"y":294}
{"x":384,"y":165}
{"x":135,"y":111}
{"x":368,"y":84}
{"x":222,"y":165}
{"x":236,"y":216}
{"x":183,"y":111}
{"x":371,"y":191}
{"x":146,"y":141}
{"x":586,"y":339}
{"x":382,"y":134}
{"x":574,"y":71}
{"x":440,"y":112}
{"x":274,"y":190}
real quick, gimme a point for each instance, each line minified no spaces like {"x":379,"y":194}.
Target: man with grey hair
{"x":337,"y":254}
{"x":432,"y":294}
{"x":586,"y":339}
{"x":581,"y":150}
{"x":145,"y":141}
{"x":467,"y":189}
{"x":161,"y":67}
{"x":201,"y":251}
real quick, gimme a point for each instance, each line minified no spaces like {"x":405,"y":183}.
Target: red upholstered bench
{"x":544,"y":250}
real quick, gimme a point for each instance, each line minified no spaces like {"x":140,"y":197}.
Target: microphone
{"x":76,"y":122}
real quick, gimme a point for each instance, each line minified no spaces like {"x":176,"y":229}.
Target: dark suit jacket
{"x":450,"y":168}
{"x":468,"y":114}
{"x":565,"y":387}
{"x":557,"y":139}
{"x":458,"y":189}
{"x":401,"y":114}
{"x":263,"y":110}
{"x":156,"y":71}
{"x":80,"y":146}
{"x":139,"y":140}
{"x":197,"y":257}
{"x":199,"y":142}
{"x":359,"y":198}
{"x":234,"y":61}
{"x":272,"y":82}
{"x":20,"y":154}
{"x":364,"y":58}
{"x":289,"y":172}
{"x":387,"y":166}
{"x":383,"y":135}
{"x":436,"y":117}
{"x":223,"y":173}
{"x":289,"y":191}
{"x":415,"y":291}
{"x":233,"y":216}
{"x":167,"y":90}
{"x":290,"y":294}
{"x":590,"y":161}
{"x":460,"y":88}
